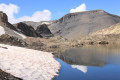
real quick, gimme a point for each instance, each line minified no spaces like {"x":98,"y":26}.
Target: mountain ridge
{"x":8,"y":28}
{"x":71,"y":26}
{"x":82,"y":23}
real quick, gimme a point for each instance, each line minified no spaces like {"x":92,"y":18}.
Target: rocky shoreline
{"x":7,"y":76}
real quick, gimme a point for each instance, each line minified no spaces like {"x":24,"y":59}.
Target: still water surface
{"x":90,"y":63}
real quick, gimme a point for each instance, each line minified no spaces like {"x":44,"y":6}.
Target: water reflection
{"x":80,"y":67}
{"x":90,"y":57}
{"x":90,"y":63}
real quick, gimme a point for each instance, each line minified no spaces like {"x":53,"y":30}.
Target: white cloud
{"x":12,"y":9}
{"x":80,"y":8}
{"x":37,"y":16}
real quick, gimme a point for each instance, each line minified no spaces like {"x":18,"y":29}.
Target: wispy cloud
{"x":80,"y":8}
{"x":12,"y":9}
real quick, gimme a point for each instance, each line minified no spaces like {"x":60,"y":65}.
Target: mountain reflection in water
{"x":82,"y":64}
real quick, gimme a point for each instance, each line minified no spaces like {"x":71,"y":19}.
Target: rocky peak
{"x":83,"y":23}
{"x":36,"y":24}
{"x":26,"y":29}
{"x":3,"y":19}
{"x":73,"y":15}
{"x":44,"y":31}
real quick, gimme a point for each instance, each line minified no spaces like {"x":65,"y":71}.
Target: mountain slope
{"x":36,"y":24}
{"x":34,"y":29}
{"x":77,"y":25}
{"x":26,"y":29}
{"x":115,"y":29}
{"x":7,"y":28}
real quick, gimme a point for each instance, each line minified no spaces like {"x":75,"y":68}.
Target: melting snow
{"x":47,"y":23}
{"x":23,"y":36}
{"x":2,"y":31}
{"x":28,"y":64}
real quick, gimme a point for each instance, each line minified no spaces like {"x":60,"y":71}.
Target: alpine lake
{"x":90,"y":63}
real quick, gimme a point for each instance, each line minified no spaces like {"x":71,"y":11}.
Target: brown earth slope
{"x":114,"y":29}
{"x":106,"y":35}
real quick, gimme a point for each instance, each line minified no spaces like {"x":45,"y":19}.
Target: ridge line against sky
{"x":45,"y":15}
{"x":29,"y":10}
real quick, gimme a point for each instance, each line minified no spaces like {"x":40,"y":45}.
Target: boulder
{"x":44,"y":31}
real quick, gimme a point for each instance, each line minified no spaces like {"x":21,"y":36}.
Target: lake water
{"x":90,"y":63}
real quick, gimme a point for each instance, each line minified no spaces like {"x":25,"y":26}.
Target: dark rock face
{"x":8,"y":28}
{"x":41,"y":31}
{"x":26,"y":30}
{"x":36,"y":24}
{"x":4,"y":21}
{"x":77,"y":25}
{"x":44,"y":31}
{"x":3,"y":17}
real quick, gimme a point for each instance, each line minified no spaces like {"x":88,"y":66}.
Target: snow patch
{"x":28,"y":64}
{"x":2,"y":31}
{"x":23,"y":36}
{"x":47,"y":23}
{"x":81,"y":68}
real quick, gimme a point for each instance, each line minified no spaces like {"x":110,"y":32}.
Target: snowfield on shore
{"x":23,"y":36}
{"x":2,"y":31}
{"x":28,"y":64}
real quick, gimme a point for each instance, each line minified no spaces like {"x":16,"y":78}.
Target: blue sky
{"x":59,"y":8}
